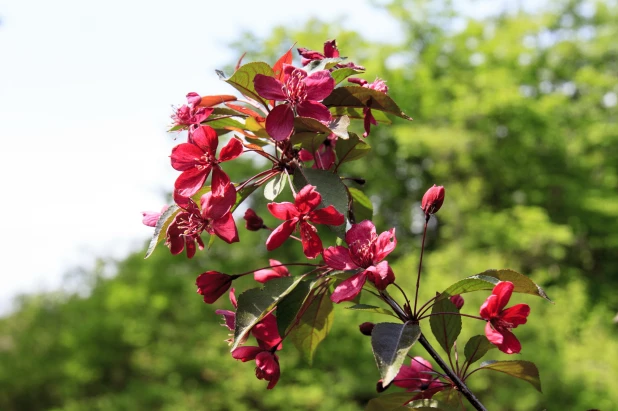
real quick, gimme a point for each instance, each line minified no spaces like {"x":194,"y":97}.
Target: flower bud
{"x":212,"y":285}
{"x":432,"y":200}
{"x":366,"y":328}
{"x":380,"y":387}
{"x":457,"y":300}
{"x":253,"y":221}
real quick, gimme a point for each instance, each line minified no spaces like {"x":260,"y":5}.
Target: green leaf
{"x":449,"y":399}
{"x":355,"y":96}
{"x":476,"y":348}
{"x":445,"y":328}
{"x":242,"y":79}
{"x":255,"y":303}
{"x":223,"y":124}
{"x":487,"y":280}
{"x":357,"y":113}
{"x":339,"y":127}
{"x":275,"y":186}
{"x":290,"y":305}
{"x":351,"y":149}
{"x":225,"y":111}
{"x":361,"y":205}
{"x":330,"y":187}
{"x":372,"y":309}
{"x":314,"y":325}
{"x":161,"y":228}
{"x":343,"y":73}
{"x":390,"y":402}
{"x":390,"y":343}
{"x":308,"y":140}
{"x":324,"y":64}
{"x":524,"y":370}
{"x":302,"y":124}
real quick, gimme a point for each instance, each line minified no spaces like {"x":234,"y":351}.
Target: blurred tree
{"x":515,"y":114}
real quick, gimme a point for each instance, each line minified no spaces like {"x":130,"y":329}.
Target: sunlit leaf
{"x":342,"y":73}
{"x":351,"y":149}
{"x":390,"y":343}
{"x":476,"y":348}
{"x":357,"y":113}
{"x":314,"y":325}
{"x":355,"y":96}
{"x":209,"y":101}
{"x":524,"y":370}
{"x":275,"y":186}
{"x":289,"y":307}
{"x":242,"y":79}
{"x":361,"y":205}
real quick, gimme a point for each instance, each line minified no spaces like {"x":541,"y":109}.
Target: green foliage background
{"x":512,"y":114}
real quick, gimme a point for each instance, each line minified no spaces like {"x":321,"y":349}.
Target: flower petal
{"x":312,"y":244}
{"x":205,"y":137}
{"x":280,"y":122}
{"x":363,"y":232}
{"x":266,"y":332}
{"x":185,"y":156}
{"x":314,"y":110}
{"x":503,"y":290}
{"x":214,"y":207}
{"x":339,"y":258}
{"x":511,"y":344}
{"x":225,"y":229}
{"x":307,"y":199}
{"x":283,"y":211}
{"x":385,"y":244}
{"x":516,"y":315}
{"x":231,"y":150}
{"x":269,"y":87}
{"x":190,"y":181}
{"x":319,"y":85}
{"x":220,"y":181}
{"x":381,"y":275}
{"x":495,"y":337}
{"x":280,"y":234}
{"x":350,"y":288}
{"x":246,"y":353}
{"x":490,"y":309}
{"x":229,"y":317}
{"x":328,"y":215}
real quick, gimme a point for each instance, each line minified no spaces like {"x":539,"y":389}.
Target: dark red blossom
{"x":432,"y":200}
{"x":378,"y":85}
{"x":197,"y":158}
{"x":366,"y":328}
{"x":215,"y":218}
{"x":458,"y":300}
{"x":299,"y":215}
{"x":300,"y":93}
{"x":266,"y":363}
{"x":277,"y":271}
{"x":501,"y":321}
{"x":366,"y":251}
{"x":253,"y":222}
{"x":330,"y":51}
{"x":213,"y":284}
{"x":419,"y":377}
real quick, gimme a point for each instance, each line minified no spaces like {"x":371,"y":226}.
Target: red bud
{"x":253,"y":221}
{"x":366,"y":328}
{"x":433,"y":199}
{"x":458,"y":301}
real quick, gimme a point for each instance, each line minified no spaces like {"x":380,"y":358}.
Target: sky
{"x":86,"y":93}
{"x":86,"y":90}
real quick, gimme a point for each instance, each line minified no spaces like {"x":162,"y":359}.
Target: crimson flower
{"x":300,"y":214}
{"x":190,"y":116}
{"x":378,"y":85}
{"x":418,"y":377}
{"x":330,"y":51}
{"x":266,"y":362}
{"x":300,"y":93}
{"x":432,"y":200}
{"x":501,"y":321}
{"x":458,"y":300}
{"x":215,"y":218}
{"x":253,"y":222}
{"x":366,"y":251}
{"x":276,"y":271}
{"x":213,"y":284}
{"x":197,"y":158}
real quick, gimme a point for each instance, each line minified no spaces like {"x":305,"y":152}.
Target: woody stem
{"x":420,"y":264}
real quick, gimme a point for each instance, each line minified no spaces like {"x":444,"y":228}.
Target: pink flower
{"x":417,"y":377}
{"x":215,"y":218}
{"x":378,"y":85}
{"x":267,"y":363}
{"x":196,"y":159}
{"x":366,"y":251}
{"x":253,"y":222}
{"x":299,"y":92}
{"x":150,"y":218}
{"x":213,"y":284}
{"x":432,"y":200}
{"x":299,"y":215}
{"x":501,"y":321}
{"x":191,"y":116}
{"x":330,"y":51}
{"x":276,"y":271}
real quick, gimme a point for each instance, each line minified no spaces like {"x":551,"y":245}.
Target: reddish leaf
{"x":209,"y":101}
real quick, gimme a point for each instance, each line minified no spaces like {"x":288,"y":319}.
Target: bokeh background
{"x":515,"y":113}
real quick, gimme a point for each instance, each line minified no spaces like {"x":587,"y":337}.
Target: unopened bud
{"x":366,"y":328}
{"x":432,"y":200}
{"x":458,"y":301}
{"x":253,"y":221}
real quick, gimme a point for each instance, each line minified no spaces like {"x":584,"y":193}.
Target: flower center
{"x":362,"y":253}
{"x":295,"y":88}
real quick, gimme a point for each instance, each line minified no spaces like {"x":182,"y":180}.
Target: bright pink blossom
{"x":215,"y":218}
{"x":378,"y":85}
{"x":213,"y":284}
{"x":330,"y":51}
{"x":299,"y":215}
{"x":432,"y":200}
{"x":191,"y":116}
{"x":276,"y":271}
{"x":267,"y":363}
{"x":419,"y":377}
{"x":150,"y":218}
{"x":366,"y":251}
{"x":300,"y":93}
{"x":501,"y":321}
{"x":198,"y":158}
